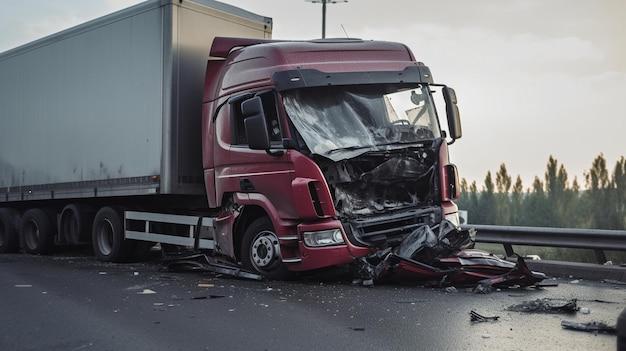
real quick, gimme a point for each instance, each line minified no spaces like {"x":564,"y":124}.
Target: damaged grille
{"x":388,"y":229}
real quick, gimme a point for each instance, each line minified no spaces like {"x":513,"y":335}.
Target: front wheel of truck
{"x":260,"y":251}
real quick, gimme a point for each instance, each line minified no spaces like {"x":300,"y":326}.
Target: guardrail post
{"x":508,"y":250}
{"x":600,"y":256}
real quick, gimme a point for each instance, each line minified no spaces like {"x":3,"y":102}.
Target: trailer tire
{"x":9,"y":235}
{"x":75,"y":223}
{"x":107,"y":237}
{"x":260,"y":250}
{"x":37,"y":232}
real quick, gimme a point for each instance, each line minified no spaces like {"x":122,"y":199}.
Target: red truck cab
{"x":319,"y":152}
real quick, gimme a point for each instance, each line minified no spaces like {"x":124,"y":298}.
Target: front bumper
{"x":300,"y":257}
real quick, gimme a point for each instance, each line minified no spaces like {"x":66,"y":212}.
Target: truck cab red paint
{"x":288,"y":185}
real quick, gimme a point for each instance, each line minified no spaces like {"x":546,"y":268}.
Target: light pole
{"x":324,"y":2}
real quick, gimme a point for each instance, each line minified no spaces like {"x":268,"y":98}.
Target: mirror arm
{"x":451,"y":142}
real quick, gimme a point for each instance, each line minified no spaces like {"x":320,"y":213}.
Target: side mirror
{"x":452,"y":111}
{"x":255,"y":124}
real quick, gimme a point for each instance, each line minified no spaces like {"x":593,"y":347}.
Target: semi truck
{"x":183,"y":123}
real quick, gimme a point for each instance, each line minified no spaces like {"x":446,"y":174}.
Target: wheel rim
{"x":265,"y":249}
{"x":105,"y":237}
{"x":31,"y":235}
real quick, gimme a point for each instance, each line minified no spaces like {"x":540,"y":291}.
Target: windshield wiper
{"x":401,"y":143}
{"x":350,"y":148}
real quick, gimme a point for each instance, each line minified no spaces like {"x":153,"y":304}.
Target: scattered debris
{"x":486,"y":336}
{"x":102,"y":273}
{"x":204,"y":297}
{"x":357,"y":328}
{"x":443,"y":254}
{"x":545,"y":284}
{"x":478,"y":318}
{"x":158,"y":304}
{"x":585,"y":310}
{"x":598,"y":301}
{"x":613,"y":281}
{"x":231,"y":310}
{"x":264,"y":305}
{"x":575,"y":281}
{"x":590,"y":327}
{"x":146,"y":292}
{"x":204,"y":285}
{"x":546,"y":306}
{"x":608,"y":263}
{"x":412,"y":302}
{"x":482,"y":288}
{"x":450,"y":289}
{"x":23,"y":286}
{"x":135,"y":274}
{"x":196,"y":262}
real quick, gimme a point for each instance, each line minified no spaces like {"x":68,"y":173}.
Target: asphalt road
{"x":72,"y":302}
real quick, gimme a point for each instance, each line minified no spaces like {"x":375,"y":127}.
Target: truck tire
{"x":75,"y":224}
{"x":107,"y":237}
{"x":260,"y":250}
{"x":9,"y":237}
{"x":37,"y":232}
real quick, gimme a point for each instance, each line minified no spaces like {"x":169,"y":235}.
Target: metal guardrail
{"x":592,"y":239}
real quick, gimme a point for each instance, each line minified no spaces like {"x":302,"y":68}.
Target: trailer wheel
{"x":37,"y":232}
{"x":9,"y":237}
{"x":107,"y":237}
{"x":260,"y":250}
{"x":75,"y":223}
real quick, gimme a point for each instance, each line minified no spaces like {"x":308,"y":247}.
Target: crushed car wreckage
{"x":443,"y":255}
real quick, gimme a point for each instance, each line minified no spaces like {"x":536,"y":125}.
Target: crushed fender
{"x":443,"y":255}
{"x":590,"y":327}
{"x":546,"y":306}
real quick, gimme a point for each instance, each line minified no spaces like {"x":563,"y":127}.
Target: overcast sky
{"x":533,"y":77}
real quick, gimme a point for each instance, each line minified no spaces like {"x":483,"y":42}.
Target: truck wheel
{"x":260,"y":250}
{"x":107,"y":237}
{"x":37,"y":232}
{"x":74,"y":224}
{"x":9,"y":237}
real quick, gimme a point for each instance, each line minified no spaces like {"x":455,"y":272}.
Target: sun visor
{"x":303,"y":78}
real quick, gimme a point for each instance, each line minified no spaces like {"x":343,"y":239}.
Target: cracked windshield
{"x":332,"y":119}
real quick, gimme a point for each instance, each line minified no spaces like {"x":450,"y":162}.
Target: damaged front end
{"x":443,"y":255}
{"x":382,"y":196}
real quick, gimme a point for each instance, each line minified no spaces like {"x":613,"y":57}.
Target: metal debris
{"x":590,"y":327}
{"x":613,"y":281}
{"x":478,"y":318}
{"x":146,"y":292}
{"x":196,"y":262}
{"x":204,"y":297}
{"x":546,"y":306}
{"x":442,"y":254}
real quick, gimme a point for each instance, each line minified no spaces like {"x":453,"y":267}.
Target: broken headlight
{"x":323,"y":238}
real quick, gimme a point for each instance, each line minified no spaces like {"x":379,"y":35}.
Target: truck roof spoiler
{"x":222,"y":46}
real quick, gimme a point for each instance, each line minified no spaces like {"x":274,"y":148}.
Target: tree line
{"x":553,"y":201}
